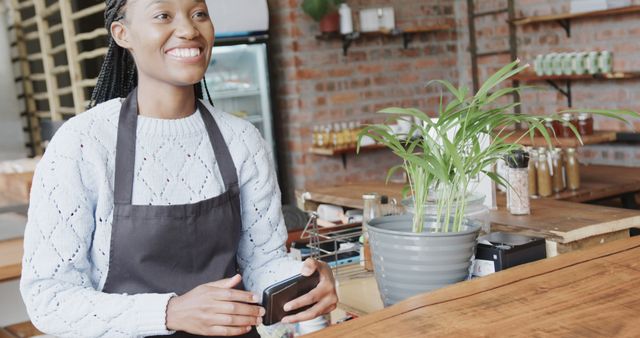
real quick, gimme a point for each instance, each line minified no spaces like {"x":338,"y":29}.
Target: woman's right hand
{"x":215,"y":309}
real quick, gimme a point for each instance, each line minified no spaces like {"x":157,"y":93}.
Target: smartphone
{"x":275,"y":296}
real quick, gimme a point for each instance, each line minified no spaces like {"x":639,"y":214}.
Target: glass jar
{"x":371,"y":210}
{"x":558,"y":170}
{"x":518,"y":178}
{"x":558,"y":131}
{"x":572,"y":167}
{"x":533,"y":179}
{"x":585,"y":124}
{"x":568,"y":119}
{"x":545,"y":187}
{"x":548,"y":124}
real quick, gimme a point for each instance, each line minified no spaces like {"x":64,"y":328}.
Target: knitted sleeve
{"x":262,"y":254}
{"x":60,"y":297}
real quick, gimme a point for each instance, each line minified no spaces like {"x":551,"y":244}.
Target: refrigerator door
{"x":239,"y":84}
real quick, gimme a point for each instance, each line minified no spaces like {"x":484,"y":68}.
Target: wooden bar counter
{"x":565,"y":224}
{"x":589,"y":293}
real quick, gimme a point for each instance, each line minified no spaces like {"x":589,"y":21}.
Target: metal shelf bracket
{"x":566,"y":92}
{"x":566,"y":25}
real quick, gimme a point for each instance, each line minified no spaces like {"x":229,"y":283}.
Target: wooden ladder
{"x":25,"y":78}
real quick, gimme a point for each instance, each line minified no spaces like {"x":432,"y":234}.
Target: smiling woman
{"x":152,"y":213}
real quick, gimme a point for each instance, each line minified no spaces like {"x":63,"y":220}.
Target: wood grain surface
{"x":10,"y":259}
{"x":583,"y":293}
{"x":16,"y":186}
{"x":565,"y":222}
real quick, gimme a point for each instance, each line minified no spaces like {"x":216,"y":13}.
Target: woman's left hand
{"x":324,"y":295}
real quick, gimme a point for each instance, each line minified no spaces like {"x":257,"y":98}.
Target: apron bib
{"x":164,"y":249}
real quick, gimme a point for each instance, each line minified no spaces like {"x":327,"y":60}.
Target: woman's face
{"x":170,"y":40}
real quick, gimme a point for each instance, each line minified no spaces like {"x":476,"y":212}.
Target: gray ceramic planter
{"x":407,"y":264}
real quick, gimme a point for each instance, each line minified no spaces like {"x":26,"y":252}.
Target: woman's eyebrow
{"x":165,"y":1}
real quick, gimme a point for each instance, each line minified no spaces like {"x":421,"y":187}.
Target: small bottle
{"x":353,"y":134}
{"x":533,"y":175}
{"x":337,"y":136}
{"x":346,"y":20}
{"x":315,"y":135}
{"x":558,"y":170}
{"x":333,"y":136}
{"x":545,"y":187}
{"x":327,"y":137}
{"x":518,"y":178}
{"x":346,"y":135}
{"x":573,"y":169}
{"x":371,"y":210}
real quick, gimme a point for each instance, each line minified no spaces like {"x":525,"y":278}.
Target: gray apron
{"x":164,"y":249}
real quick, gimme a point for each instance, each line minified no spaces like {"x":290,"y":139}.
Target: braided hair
{"x":118,"y":75}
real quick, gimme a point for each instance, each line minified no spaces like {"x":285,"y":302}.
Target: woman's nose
{"x":186,"y":29}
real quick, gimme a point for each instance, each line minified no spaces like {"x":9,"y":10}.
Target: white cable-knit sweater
{"x":66,"y":256}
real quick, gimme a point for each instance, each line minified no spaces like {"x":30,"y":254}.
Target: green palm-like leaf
{"x":435,"y":158}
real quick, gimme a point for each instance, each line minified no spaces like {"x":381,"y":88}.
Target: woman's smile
{"x":186,"y":54}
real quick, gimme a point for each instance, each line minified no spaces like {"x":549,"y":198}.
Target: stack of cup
{"x":578,"y":63}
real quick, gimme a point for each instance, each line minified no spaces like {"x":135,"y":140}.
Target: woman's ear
{"x":120,"y":35}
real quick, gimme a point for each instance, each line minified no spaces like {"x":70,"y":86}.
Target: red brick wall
{"x":618,"y":34}
{"x":315,"y":84}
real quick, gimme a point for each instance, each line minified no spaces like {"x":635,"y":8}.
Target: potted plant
{"x":325,"y":12}
{"x":434,"y":247}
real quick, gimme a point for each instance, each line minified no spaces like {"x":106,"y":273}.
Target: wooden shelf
{"x":336,"y":152}
{"x":569,"y":16}
{"x":406,"y":33}
{"x":531,"y":77}
{"x":343,"y":152}
{"x":568,"y":79}
{"x":567,"y":142}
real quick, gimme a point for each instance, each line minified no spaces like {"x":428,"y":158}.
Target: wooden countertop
{"x":586,"y":293}
{"x":560,"y":222}
{"x":10,"y":259}
{"x":565,"y":222}
{"x":598,"y":182}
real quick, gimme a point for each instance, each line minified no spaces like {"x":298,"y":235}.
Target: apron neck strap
{"x":223,"y":156}
{"x":126,"y":149}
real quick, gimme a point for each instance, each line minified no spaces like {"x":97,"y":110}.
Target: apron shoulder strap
{"x":126,"y":149}
{"x":220,"y":149}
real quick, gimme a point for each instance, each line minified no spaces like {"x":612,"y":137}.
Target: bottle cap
{"x":517,"y":159}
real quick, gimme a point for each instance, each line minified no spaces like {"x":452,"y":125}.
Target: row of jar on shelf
{"x":553,"y":171}
{"x":538,"y":173}
{"x":337,"y":136}
{"x":582,"y":122}
{"x":579,"y":63}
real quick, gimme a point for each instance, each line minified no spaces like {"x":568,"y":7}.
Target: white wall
{"x":12,"y":138}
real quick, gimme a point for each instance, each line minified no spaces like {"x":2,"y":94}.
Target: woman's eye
{"x":162,"y":16}
{"x":201,"y":14}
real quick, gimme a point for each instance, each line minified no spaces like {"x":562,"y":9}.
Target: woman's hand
{"x":324,"y":295}
{"x":215,"y":309}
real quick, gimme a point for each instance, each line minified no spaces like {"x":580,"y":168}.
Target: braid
{"x":118,"y":73}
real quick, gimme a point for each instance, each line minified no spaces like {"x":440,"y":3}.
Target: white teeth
{"x":184,"y":52}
